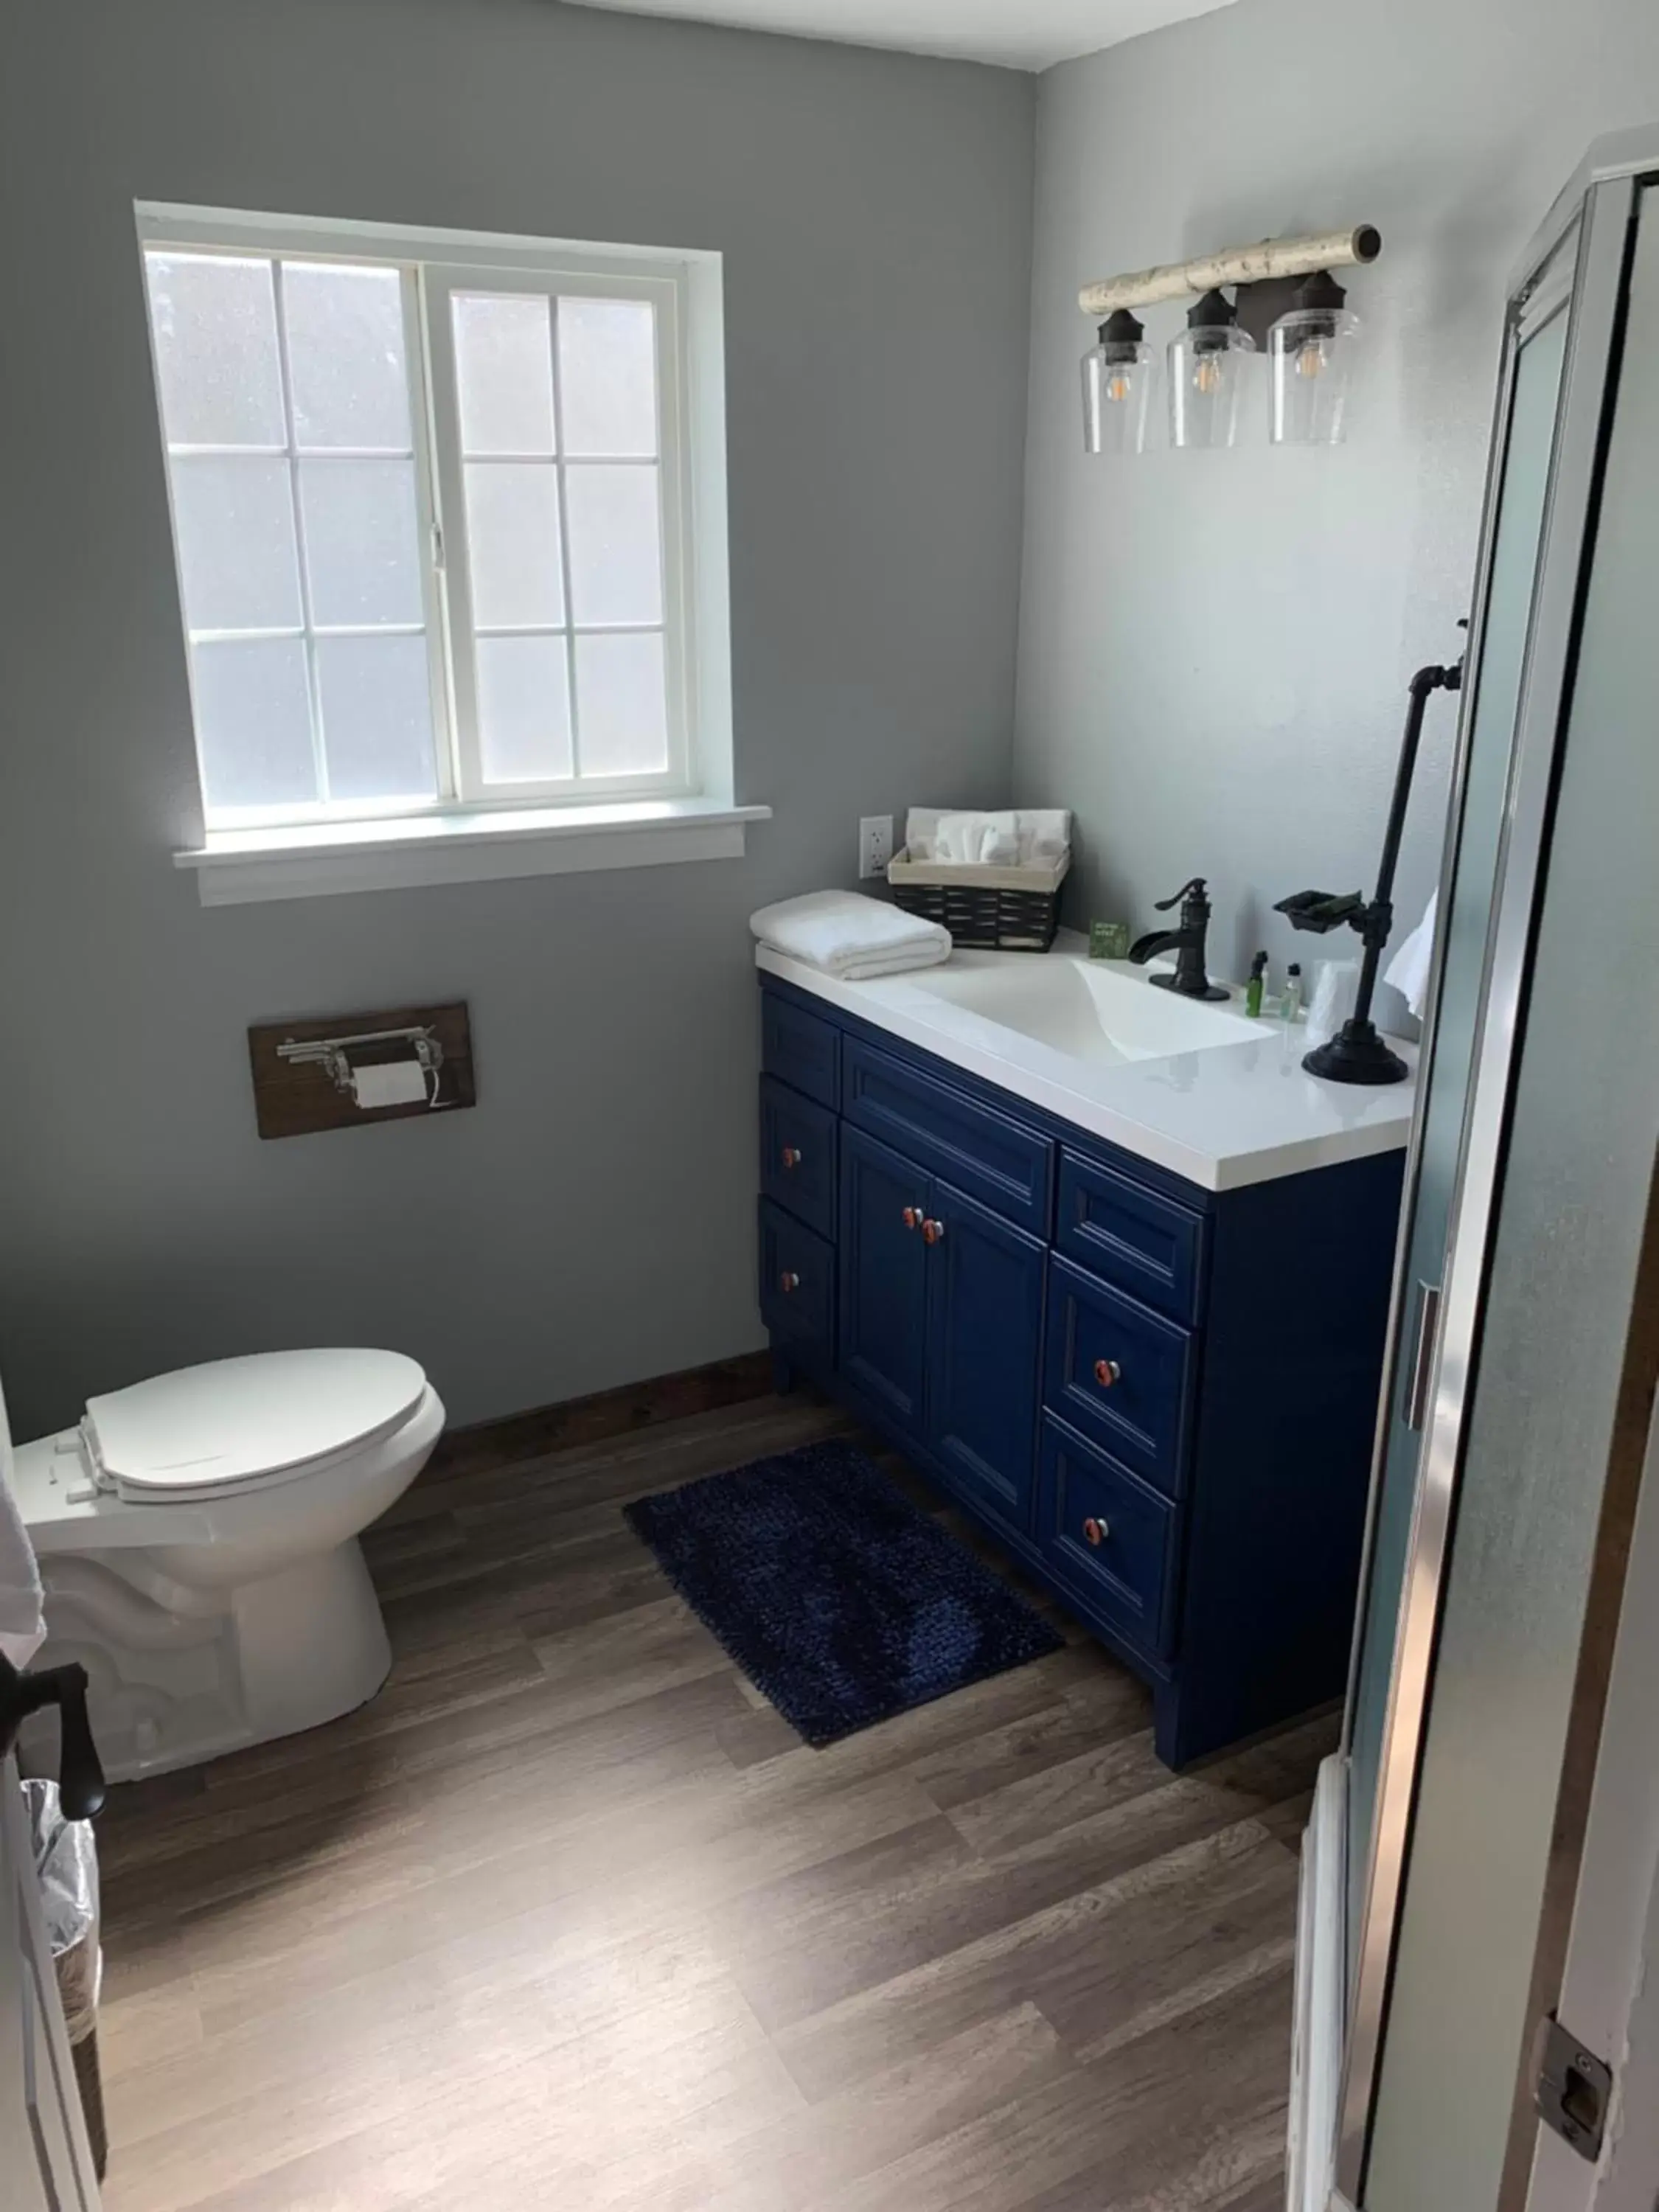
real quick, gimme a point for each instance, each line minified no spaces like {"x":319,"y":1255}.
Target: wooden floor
{"x":568,"y":1918}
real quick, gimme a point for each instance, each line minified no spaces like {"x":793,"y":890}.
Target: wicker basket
{"x":1005,"y":910}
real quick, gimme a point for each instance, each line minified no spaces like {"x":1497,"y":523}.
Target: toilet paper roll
{"x":391,"y":1083}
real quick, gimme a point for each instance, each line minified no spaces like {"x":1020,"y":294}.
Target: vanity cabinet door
{"x":984,"y":1331}
{"x":883,"y":1277}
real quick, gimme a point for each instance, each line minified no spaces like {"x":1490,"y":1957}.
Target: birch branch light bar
{"x":1284,"y":293}
{"x":1269,"y":258}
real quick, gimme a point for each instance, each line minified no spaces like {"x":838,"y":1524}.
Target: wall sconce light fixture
{"x":1311,"y":353}
{"x":1310,"y":344}
{"x":1117,"y":384}
{"x":1207,"y":367}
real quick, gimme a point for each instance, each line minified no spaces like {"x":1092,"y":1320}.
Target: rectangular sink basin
{"x":1090,"y":1010}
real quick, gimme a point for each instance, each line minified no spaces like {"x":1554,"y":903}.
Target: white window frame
{"x":593,"y":279}
{"x":470,"y":829}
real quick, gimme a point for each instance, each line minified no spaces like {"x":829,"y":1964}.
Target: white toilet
{"x":197,"y":1538}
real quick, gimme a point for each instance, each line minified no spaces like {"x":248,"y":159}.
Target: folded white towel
{"x":21,"y":1628}
{"x":850,"y":936}
{"x":1408,"y":970}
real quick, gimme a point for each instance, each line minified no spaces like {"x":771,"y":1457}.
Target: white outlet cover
{"x":875,"y":844}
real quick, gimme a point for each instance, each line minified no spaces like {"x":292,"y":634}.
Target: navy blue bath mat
{"x":838,"y":1598}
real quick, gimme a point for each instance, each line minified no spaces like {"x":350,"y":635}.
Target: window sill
{"x":234,"y":867}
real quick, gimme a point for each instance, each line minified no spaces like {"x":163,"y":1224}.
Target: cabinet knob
{"x":791,"y":1156}
{"x":931,"y":1232}
{"x":1095,"y":1532}
{"x":1106,"y":1371}
{"x":788,"y":1281}
{"x":913,"y":1217}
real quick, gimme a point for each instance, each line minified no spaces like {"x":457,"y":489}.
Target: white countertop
{"x":1236,"y":1113}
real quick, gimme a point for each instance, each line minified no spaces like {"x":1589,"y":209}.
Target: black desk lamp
{"x":1356,"y":1053}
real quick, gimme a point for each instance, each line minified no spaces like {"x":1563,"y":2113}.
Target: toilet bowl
{"x":197,"y":1539}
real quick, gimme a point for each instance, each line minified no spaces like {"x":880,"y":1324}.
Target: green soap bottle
{"x":1253,"y":989}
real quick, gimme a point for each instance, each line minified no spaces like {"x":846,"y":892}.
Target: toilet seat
{"x":241,"y":1424}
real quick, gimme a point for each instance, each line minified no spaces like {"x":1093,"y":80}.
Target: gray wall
{"x":591,"y":1222}
{"x":1214,"y":647}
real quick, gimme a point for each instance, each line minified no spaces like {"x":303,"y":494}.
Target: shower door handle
{"x":1422,"y":1367}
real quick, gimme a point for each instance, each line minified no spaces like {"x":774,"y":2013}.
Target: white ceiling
{"x":1027,"y":35}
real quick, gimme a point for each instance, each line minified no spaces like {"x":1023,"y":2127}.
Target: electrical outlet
{"x":875,"y":844}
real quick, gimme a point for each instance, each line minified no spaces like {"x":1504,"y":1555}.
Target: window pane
{"x":512,"y":543}
{"x":215,"y":349}
{"x":608,"y":375}
{"x":504,"y":366}
{"x":253,"y":723}
{"x":524,"y":708}
{"x":376,"y":696}
{"x":348,"y":375}
{"x":621,"y":704}
{"x":236,"y":522}
{"x":616,"y":544}
{"x":361,"y":555}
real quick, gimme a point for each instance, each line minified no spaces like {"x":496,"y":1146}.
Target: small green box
{"x":1109,"y":941}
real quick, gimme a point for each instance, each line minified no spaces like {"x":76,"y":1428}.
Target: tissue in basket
{"x":1012,"y":909}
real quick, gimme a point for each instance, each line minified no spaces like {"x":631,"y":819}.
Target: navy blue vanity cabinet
{"x":1159,"y":1399}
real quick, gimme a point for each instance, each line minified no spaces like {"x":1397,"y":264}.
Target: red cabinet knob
{"x":791,"y":1156}
{"x":1095,"y":1531}
{"x":1106,"y":1371}
{"x":931,"y":1232}
{"x":788,"y":1281}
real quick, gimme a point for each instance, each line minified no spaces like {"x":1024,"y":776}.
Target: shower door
{"x":1562,"y":351}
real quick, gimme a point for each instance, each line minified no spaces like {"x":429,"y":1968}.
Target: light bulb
{"x":1118,"y":388}
{"x":1313,"y":358}
{"x":1206,"y":374}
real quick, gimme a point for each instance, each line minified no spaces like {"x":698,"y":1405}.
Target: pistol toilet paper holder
{"x":333,"y":1055}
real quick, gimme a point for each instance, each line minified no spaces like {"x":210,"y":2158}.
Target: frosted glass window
{"x":504,"y":372}
{"x":253,"y":723}
{"x":621,"y":703}
{"x":431,"y":515}
{"x":347,"y":363}
{"x":616,"y":544}
{"x":234,"y":518}
{"x":361,"y":549}
{"x":524,"y":708}
{"x":215,"y":320}
{"x":376,"y":698}
{"x":512,"y":539}
{"x":608,"y":376}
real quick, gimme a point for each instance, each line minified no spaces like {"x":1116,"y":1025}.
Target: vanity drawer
{"x":797,"y":1281}
{"x":1139,"y":1240}
{"x":993,"y":1159}
{"x":1107,"y":1536}
{"x":798,"y":1155}
{"x":1120,"y":1374}
{"x":799,"y":1049}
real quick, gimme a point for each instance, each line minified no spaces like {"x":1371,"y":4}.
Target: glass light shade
{"x":1310,"y":351}
{"x":1117,"y":389}
{"x":1207,"y":371}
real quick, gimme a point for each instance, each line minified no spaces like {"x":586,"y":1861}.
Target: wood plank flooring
{"x":569,"y":1917}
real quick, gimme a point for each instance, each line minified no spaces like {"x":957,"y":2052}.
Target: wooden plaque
{"x":294,"y":1096}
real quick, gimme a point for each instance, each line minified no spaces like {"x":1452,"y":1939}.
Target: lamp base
{"x":1356,"y":1055}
